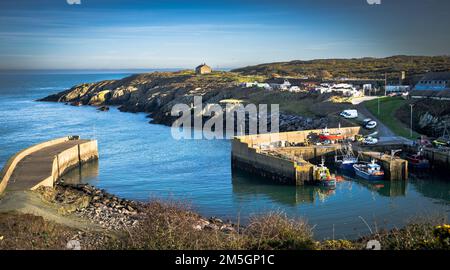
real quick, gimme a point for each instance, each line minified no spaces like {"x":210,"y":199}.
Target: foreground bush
{"x":171,"y":226}
{"x":277,"y":231}
{"x":420,"y":236}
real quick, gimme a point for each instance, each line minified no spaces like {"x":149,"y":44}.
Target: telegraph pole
{"x":378,"y":98}
{"x":411,"y":124}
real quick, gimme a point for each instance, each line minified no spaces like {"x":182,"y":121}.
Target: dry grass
{"x":420,"y":236}
{"x":275,"y":231}
{"x":24,"y":231}
{"x":171,"y":226}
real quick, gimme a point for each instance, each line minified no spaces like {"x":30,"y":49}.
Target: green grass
{"x":388,"y":108}
{"x":290,"y":103}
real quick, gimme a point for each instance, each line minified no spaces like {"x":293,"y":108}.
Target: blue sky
{"x":123,"y":34}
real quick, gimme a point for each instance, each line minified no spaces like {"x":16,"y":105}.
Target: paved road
{"x":385,"y":134}
{"x":36,"y":167}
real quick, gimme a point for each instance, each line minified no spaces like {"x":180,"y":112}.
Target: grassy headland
{"x":389,"y":107}
{"x":363,"y":68}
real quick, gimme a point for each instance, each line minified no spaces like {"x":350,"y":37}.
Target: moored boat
{"x":369,"y":171}
{"x":418,"y":161}
{"x":347,"y":159}
{"x":326,"y":135}
{"x":323,"y":177}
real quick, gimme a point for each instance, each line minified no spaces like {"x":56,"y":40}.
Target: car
{"x":371,"y":125}
{"x":349,"y":114}
{"x":367,"y":120}
{"x":370,"y":141}
{"x":441,"y":142}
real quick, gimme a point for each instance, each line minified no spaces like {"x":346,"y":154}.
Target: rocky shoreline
{"x":109,"y":211}
{"x":156,"y":93}
{"x":126,"y":224}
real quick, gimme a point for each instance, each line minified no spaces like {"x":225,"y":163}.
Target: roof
{"x":428,"y":93}
{"x":436,"y":76}
{"x":203,"y":65}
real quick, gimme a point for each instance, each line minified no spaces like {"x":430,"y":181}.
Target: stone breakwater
{"x":96,"y":205}
{"x":109,"y":211}
{"x":289,"y":122}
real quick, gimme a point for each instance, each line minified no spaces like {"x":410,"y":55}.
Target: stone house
{"x":203,"y":69}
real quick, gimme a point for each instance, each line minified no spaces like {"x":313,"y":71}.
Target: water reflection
{"x":432,"y":187}
{"x":246,"y":185}
{"x":383,"y":188}
{"x":82,"y":174}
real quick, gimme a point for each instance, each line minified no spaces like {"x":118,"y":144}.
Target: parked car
{"x":367,"y":120}
{"x":349,"y":114}
{"x":425,"y":141}
{"x":371,"y":125}
{"x":370,"y":141}
{"x":442,"y":142}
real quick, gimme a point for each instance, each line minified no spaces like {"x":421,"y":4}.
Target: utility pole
{"x":411,"y":125}
{"x":378,"y":98}
{"x":385,"y":83}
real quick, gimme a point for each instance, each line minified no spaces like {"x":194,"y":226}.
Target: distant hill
{"x":371,"y":68}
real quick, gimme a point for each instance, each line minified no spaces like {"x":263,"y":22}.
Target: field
{"x":388,"y":108}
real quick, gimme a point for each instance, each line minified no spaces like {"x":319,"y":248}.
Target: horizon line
{"x":216,"y":68}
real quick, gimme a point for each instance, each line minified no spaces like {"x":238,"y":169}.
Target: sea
{"x":142,"y":161}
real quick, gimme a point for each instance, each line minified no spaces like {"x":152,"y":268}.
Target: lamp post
{"x":411,"y":125}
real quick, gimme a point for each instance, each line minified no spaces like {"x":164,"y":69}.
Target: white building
{"x":281,"y":86}
{"x":394,"y":89}
{"x":345,"y":89}
{"x":367,"y":87}
{"x":256,"y":84}
{"x":294,"y":89}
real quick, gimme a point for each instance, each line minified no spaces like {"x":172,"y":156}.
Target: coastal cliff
{"x":156,"y":93}
{"x":153,"y":93}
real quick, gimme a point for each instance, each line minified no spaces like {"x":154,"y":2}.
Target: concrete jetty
{"x":395,"y":168}
{"x":284,"y":157}
{"x":44,"y":163}
{"x":267,"y":155}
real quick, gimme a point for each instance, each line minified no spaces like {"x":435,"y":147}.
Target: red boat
{"x":327,"y":135}
{"x":418,"y":161}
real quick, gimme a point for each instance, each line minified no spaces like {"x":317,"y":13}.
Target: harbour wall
{"x":61,"y":163}
{"x":248,"y":156}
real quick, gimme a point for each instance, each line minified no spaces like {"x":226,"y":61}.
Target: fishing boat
{"x":326,"y":135}
{"x":323,"y":177}
{"x":347,"y":159}
{"x":418,"y":161}
{"x":369,"y":171}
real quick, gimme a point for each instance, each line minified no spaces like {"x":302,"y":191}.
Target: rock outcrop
{"x":156,"y":94}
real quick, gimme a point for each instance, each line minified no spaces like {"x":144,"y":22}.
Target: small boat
{"x":326,"y":135}
{"x":323,"y":177}
{"x":369,"y":171}
{"x":347,"y":159}
{"x":418,"y":161}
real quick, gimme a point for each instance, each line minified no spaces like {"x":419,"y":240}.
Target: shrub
{"x":276,"y":231}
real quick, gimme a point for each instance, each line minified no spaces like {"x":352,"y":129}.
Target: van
{"x":349,"y":114}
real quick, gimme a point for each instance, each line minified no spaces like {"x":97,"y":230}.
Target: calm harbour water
{"x":141,"y":161}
